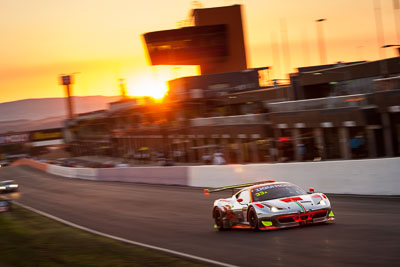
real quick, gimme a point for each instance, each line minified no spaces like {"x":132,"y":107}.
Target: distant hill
{"x":28,"y":125}
{"x":45,"y":113}
{"x":41,"y":108}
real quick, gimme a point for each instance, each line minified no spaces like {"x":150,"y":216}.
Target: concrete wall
{"x":81,"y":173}
{"x":87,"y":173}
{"x":62,"y":171}
{"x":364,"y":177}
{"x":151,"y":175}
{"x":369,"y":177}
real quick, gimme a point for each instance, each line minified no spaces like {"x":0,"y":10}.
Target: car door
{"x":240,"y":203}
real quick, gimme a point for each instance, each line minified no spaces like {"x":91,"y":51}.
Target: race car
{"x":4,"y":205}
{"x":8,"y":187}
{"x":269,"y":205}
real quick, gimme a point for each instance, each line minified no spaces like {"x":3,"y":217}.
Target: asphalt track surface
{"x":366,"y":231}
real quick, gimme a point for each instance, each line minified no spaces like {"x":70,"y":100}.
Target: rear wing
{"x":207,"y":191}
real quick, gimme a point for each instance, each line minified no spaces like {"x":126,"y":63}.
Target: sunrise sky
{"x":100,"y":40}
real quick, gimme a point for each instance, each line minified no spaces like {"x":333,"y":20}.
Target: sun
{"x":156,"y":89}
{"x":152,"y":81}
{"x":147,"y":84}
{"x":153,"y":88}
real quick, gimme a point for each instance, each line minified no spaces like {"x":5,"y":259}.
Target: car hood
{"x":303,"y":203}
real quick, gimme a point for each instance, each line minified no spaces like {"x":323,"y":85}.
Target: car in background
{"x":108,"y":164}
{"x":5,"y":205}
{"x":4,"y":163}
{"x":8,"y":186}
{"x":269,"y":205}
{"x":122,"y":165}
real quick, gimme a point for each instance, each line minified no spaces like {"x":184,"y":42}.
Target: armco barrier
{"x":174,"y":175}
{"x":32,"y":163}
{"x":81,"y":173}
{"x":364,"y":177}
{"x":62,"y":171}
{"x":150,"y":175}
{"x":86,"y":173}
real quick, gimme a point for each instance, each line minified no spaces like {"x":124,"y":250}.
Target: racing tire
{"x":253,"y":219}
{"x":218,"y":218}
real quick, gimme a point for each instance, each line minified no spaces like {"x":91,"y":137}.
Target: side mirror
{"x":240,"y":200}
{"x":311,"y":190}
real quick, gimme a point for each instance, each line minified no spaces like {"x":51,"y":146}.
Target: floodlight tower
{"x":67,"y":80}
{"x":321,"y":41}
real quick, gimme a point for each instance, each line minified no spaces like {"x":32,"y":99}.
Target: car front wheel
{"x":253,"y":219}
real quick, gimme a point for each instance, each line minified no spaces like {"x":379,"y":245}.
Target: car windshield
{"x":273,"y":191}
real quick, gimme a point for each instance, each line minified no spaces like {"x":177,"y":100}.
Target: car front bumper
{"x":295,"y":219}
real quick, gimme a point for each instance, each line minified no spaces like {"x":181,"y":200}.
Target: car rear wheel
{"x":253,"y":219}
{"x":219,"y":223}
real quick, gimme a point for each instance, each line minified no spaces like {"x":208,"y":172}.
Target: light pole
{"x":321,"y":41}
{"x":379,"y":28}
{"x":383,"y":63}
{"x":396,"y":11}
{"x":67,"y":80}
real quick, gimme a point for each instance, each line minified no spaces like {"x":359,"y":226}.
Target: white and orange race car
{"x":270,"y":205}
{"x":8,"y":192}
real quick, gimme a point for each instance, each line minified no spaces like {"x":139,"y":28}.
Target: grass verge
{"x":29,"y":239}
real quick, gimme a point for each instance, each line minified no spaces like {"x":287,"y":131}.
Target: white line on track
{"x":169,"y":251}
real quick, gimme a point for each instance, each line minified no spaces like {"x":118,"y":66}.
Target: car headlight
{"x":274,"y":209}
{"x":2,"y":188}
{"x":322,"y":202}
{"x":14,"y":186}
